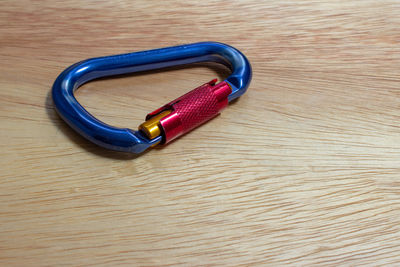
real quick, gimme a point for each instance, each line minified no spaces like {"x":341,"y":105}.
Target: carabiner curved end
{"x":171,"y":120}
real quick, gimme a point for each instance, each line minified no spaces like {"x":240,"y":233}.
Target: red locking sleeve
{"x":193,"y":109}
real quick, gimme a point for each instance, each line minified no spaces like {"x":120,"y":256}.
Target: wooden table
{"x":303,"y":170}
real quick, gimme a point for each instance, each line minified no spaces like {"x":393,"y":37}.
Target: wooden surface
{"x":303,"y":170}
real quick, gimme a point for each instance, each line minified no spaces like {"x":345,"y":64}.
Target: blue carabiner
{"x":123,"y":139}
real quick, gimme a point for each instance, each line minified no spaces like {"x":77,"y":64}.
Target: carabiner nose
{"x":167,"y":122}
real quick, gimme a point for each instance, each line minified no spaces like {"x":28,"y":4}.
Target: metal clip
{"x":167,"y":122}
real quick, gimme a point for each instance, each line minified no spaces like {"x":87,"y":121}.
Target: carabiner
{"x":167,"y":122}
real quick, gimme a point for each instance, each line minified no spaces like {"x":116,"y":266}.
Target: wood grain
{"x":303,"y":170}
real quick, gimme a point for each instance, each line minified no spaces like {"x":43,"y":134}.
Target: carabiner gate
{"x":166,"y":123}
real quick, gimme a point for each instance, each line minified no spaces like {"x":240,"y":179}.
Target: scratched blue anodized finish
{"x":128,"y":140}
